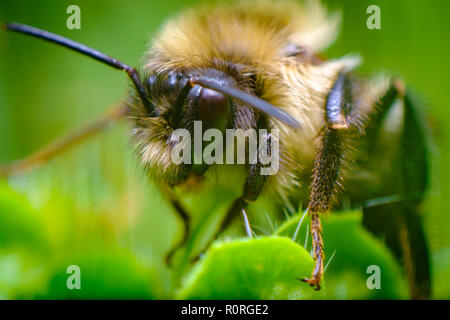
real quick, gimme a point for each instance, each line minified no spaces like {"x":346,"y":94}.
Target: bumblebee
{"x":256,"y":64}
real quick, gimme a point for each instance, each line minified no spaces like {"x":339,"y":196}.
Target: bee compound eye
{"x":213,"y":109}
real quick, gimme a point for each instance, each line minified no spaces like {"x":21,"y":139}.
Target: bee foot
{"x":314,"y":282}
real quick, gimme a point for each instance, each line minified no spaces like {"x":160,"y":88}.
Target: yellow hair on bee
{"x":245,"y":32}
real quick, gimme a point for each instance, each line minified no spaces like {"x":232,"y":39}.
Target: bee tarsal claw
{"x":312,"y":283}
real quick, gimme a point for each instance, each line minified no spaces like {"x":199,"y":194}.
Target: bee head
{"x":177,"y":102}
{"x":218,"y":99}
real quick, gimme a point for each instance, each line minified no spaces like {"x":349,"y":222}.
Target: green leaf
{"x":355,"y":250}
{"x":19,"y":222}
{"x":20,"y":272}
{"x":261,"y":268}
{"x":105,"y":273}
{"x":441,"y":274}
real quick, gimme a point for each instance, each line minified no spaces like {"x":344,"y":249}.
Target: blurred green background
{"x":93,"y":206}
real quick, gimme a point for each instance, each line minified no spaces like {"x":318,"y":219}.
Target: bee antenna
{"x":254,"y":101}
{"x":97,"y":55}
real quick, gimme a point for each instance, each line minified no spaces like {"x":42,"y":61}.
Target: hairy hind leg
{"x":341,"y":115}
{"x":339,"y":118}
{"x":326,"y":171}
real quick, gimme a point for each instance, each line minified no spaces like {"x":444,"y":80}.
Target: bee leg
{"x":252,"y":189}
{"x":58,"y":146}
{"x":326,"y":167}
{"x":185,"y":218}
{"x":325,"y":175}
